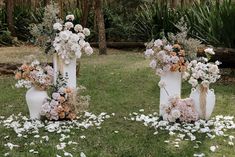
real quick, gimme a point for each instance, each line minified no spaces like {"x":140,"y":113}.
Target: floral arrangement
{"x":60,"y":105}
{"x":201,"y":71}
{"x":40,"y":77}
{"x":166,"y":57}
{"x":70,"y":40}
{"x":180,"y":109}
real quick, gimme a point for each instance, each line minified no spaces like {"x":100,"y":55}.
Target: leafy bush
{"x":213,"y":24}
{"x":152,"y":20}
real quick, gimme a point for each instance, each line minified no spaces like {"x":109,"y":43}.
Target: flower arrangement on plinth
{"x":34,"y":74}
{"x":166,"y":57}
{"x":70,"y":40}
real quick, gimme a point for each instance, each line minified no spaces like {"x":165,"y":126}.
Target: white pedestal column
{"x":172,"y":81}
{"x":67,"y":70}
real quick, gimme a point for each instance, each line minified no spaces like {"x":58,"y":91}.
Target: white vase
{"x":210,"y":102}
{"x":34,"y":99}
{"x":67,"y":70}
{"x":172,"y":87}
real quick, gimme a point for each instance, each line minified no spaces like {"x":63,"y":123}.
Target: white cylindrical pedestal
{"x":66,"y":70}
{"x":172,"y":82}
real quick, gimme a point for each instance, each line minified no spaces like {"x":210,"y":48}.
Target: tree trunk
{"x":173,"y":3}
{"x":101,"y":27}
{"x":46,"y":2}
{"x":85,"y":12}
{"x":10,"y":21}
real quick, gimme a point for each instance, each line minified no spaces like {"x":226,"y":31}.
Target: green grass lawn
{"x":119,"y":83}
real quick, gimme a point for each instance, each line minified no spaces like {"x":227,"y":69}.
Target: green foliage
{"x":154,"y":19}
{"x":213,"y":24}
{"x":23,"y":16}
{"x":5,"y":38}
{"x":118,"y":25}
{"x":42,"y":30}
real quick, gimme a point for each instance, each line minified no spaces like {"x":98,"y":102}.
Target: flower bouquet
{"x":200,"y":74}
{"x":70,"y":40}
{"x":35,"y":75}
{"x":166,"y":57}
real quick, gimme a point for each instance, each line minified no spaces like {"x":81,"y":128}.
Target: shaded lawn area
{"x":119,"y":83}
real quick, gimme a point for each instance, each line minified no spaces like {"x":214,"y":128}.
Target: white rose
{"x":193,"y":82}
{"x":64,"y":35}
{"x":205,"y":83}
{"x":78,"y":28}
{"x":70,"y":17}
{"x":75,"y":47}
{"x":168,"y":47}
{"x":153,"y":64}
{"x":148,"y":52}
{"x":86,"y":31}
{"x":82,"y":43}
{"x":186,"y":75}
{"x":193,"y":62}
{"x":88,"y":50}
{"x":68,"y":25}
{"x":57,"y":26}
{"x":209,"y":51}
{"x":81,"y":35}
{"x":213,"y":69}
{"x":218,"y":62}
{"x":158,"y":43}
{"x":175,"y":113}
{"x":74,"y":37}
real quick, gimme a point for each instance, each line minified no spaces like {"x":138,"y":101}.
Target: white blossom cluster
{"x":70,"y":40}
{"x":216,"y":126}
{"x":202,"y":72}
{"x":23,"y":84}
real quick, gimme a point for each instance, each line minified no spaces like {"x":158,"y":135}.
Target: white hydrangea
{"x":78,"y":28}
{"x":149,"y":52}
{"x":88,"y":50}
{"x":70,"y":17}
{"x":158,"y":43}
{"x":86,"y":31}
{"x":57,"y":26}
{"x":209,"y":51}
{"x":68,"y":25}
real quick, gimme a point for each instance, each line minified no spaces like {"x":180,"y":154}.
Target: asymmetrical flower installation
{"x":34,"y":74}
{"x":166,"y":57}
{"x":69,"y":43}
{"x":70,"y":40}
